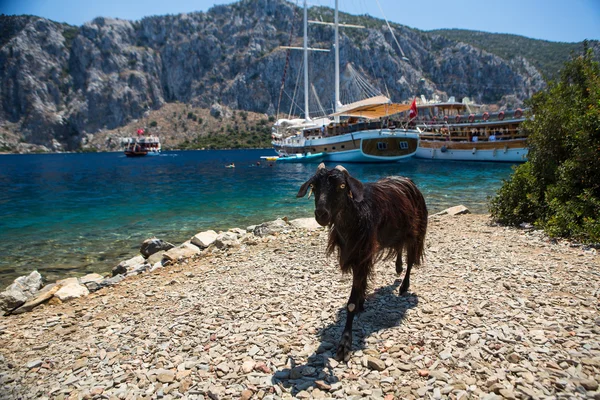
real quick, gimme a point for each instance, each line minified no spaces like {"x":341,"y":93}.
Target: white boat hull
{"x":359,"y":145}
{"x":499,"y":154}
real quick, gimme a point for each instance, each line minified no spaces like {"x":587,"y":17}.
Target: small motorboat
{"x":302,"y":158}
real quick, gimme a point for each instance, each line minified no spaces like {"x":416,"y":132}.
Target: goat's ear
{"x":304,"y":188}
{"x":356,"y":188}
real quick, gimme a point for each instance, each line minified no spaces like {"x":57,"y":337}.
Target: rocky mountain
{"x":59,"y":84}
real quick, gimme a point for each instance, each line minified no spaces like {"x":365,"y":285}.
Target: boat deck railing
{"x":502,"y":117}
{"x":467,"y":136}
{"x":342,"y":128}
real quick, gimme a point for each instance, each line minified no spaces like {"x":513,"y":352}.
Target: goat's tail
{"x":422,"y":228}
{"x":420,"y":214}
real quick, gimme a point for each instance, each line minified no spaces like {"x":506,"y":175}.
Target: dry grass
{"x":178,"y":125}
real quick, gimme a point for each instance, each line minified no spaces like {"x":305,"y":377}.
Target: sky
{"x":553,"y":20}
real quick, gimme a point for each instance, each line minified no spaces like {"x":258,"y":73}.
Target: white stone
{"x":204,"y":239}
{"x":185,"y":250}
{"x":91,"y":278}
{"x":309,"y":224}
{"x":226,"y":240}
{"x":71,"y":289}
{"x":271,"y":227}
{"x":133,"y":262}
{"x":456,"y":210}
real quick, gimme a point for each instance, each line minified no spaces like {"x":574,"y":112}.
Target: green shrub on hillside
{"x":558,"y":189}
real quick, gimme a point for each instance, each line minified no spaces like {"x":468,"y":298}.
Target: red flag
{"x":413,"y":110}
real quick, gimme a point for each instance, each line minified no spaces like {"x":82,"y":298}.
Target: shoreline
{"x":117,"y":221}
{"x":493,"y":312}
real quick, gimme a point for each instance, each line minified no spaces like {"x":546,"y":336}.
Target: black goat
{"x":368,"y":223}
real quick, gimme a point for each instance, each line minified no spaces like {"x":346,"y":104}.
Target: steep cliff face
{"x":59,"y":83}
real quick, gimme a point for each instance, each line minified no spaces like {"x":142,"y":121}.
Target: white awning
{"x":372,"y":109}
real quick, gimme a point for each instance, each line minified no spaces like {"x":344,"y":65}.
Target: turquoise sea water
{"x":70,"y":214}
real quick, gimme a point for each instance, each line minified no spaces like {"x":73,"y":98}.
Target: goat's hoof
{"x":403,"y":290}
{"x":344,"y":349}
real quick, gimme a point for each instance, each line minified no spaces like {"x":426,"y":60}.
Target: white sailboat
{"x":360,"y":132}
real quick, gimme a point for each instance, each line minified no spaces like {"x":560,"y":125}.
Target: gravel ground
{"x":493,"y":313}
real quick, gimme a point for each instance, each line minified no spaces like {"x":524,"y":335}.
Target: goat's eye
{"x":312,"y":186}
{"x":343,"y":186}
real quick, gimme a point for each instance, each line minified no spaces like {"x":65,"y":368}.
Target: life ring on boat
{"x":471,"y":118}
{"x":486,"y":116}
{"x":457,"y":119}
{"x":518,"y":113}
{"x":500,"y":115}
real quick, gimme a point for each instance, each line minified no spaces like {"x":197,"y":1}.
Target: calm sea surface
{"x":71,"y":214}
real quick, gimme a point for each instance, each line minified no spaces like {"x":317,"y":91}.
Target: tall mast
{"x":306,"y":111}
{"x":338,"y":104}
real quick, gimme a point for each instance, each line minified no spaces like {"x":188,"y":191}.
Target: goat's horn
{"x":310,"y":193}
{"x":321,"y":166}
{"x":340,"y":168}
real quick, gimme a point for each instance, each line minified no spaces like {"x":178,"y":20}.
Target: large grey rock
{"x":92,"y":282}
{"x":127,"y":266}
{"x":22,"y":289}
{"x":11,"y":298}
{"x":271,"y":227}
{"x":154,"y":245}
{"x":155,"y":258}
{"x":204,"y":239}
{"x":113,"y":280}
{"x":45,"y":294}
{"x":226,"y":240}
{"x":84,"y":280}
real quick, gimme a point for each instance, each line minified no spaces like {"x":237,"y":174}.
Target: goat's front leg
{"x":355,"y":305}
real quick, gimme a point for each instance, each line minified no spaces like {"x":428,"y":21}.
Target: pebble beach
{"x":493,"y":312}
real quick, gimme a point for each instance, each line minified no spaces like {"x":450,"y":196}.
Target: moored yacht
{"x":365,"y":134}
{"x":460,"y":131}
{"x":362,"y":131}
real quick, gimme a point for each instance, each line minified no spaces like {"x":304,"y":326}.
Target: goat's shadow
{"x":384,"y":309}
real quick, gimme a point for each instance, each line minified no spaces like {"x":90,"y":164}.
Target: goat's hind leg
{"x":399,"y":267}
{"x":411,"y":258}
